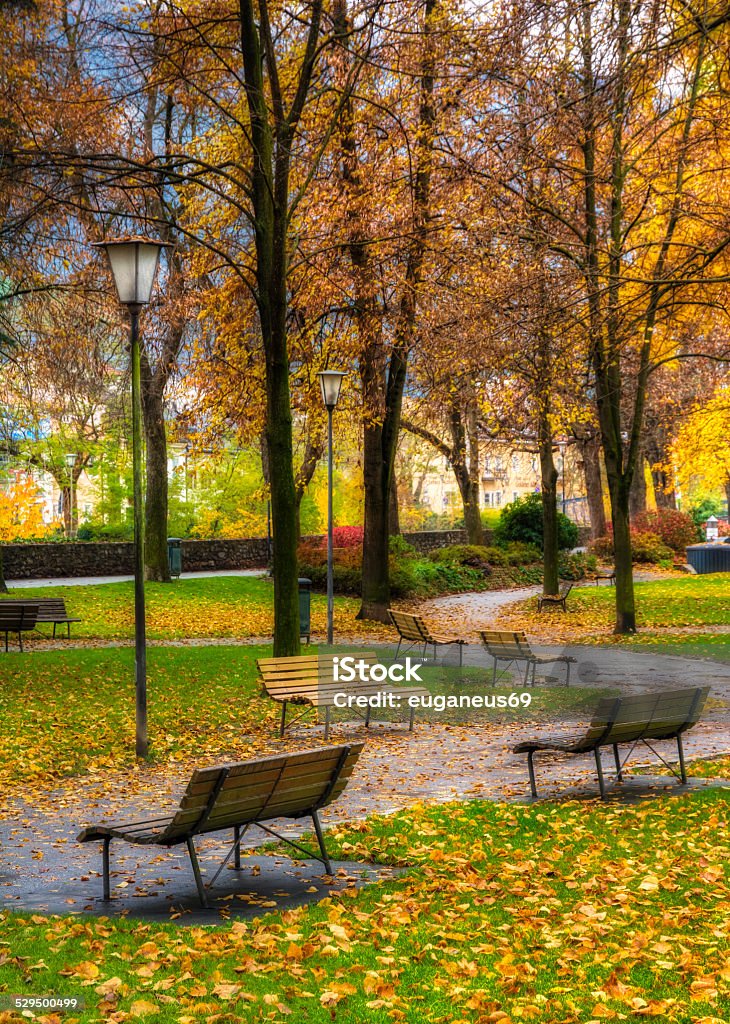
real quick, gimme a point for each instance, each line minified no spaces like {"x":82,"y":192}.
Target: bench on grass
{"x":606,"y":574}
{"x":633,"y":719}
{"x":236,"y":796}
{"x":416,"y":632}
{"x":50,"y":609}
{"x":308,"y":680}
{"x":514,"y":648}
{"x":17,"y":618}
{"x":558,"y":599}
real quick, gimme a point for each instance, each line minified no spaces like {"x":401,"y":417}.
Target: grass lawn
{"x":683,"y":601}
{"x":709,"y":768}
{"x":567,"y":914}
{"x":216,"y":606}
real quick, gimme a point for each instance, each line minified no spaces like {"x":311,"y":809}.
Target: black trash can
{"x":174,"y":556}
{"x":305,"y":607}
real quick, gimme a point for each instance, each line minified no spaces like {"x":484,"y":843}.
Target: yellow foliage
{"x":21,"y":511}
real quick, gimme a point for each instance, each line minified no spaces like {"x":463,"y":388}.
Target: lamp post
{"x":562,"y":473}
{"x":330,"y":381}
{"x":70,"y":458}
{"x":134,"y":263}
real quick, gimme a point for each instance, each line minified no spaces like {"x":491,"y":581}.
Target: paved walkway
{"x":89,"y":581}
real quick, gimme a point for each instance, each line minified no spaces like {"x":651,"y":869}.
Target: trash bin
{"x":305,"y":607}
{"x":174,"y":556}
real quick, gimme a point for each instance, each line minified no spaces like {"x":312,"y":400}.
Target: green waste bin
{"x":174,"y":556}
{"x":305,"y":607}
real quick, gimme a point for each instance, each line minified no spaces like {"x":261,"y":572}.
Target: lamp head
{"x":330,"y":381}
{"x":134,"y":261}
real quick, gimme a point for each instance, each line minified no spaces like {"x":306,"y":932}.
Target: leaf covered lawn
{"x":665,"y":605}
{"x":216,"y":606}
{"x":566,"y":914}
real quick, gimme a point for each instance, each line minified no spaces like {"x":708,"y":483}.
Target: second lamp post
{"x":134,"y":265}
{"x":330,"y":382}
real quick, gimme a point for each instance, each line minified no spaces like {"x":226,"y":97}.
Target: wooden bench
{"x":606,"y":574}
{"x":17,"y":618}
{"x":416,"y":632}
{"x":631,"y":719}
{"x":50,"y":609}
{"x":236,"y":796}
{"x":558,"y":599}
{"x":308,"y":680}
{"x":514,"y":648}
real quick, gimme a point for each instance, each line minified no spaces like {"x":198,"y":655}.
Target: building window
{"x":487,"y":463}
{"x":515,"y":495}
{"x":487,"y":499}
{"x":515,"y":463}
{"x":498,"y":498}
{"x":498,"y":464}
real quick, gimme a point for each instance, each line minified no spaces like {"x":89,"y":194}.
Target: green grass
{"x":704,"y":768}
{"x":72,"y":712}
{"x":681,"y":601}
{"x":218,"y":606}
{"x":551,"y":913}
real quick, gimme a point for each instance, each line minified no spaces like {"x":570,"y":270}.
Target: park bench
{"x":416,"y":632}
{"x":631,"y":719}
{"x":308,"y":680}
{"x":606,"y":574}
{"x":558,"y":599}
{"x":17,"y":618}
{"x":514,"y":647}
{"x":236,"y":796}
{"x":50,"y":609}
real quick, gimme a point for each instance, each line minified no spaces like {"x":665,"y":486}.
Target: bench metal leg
{"x":327,"y":722}
{"x":196,"y":871}
{"x":282,"y":727}
{"x":494,"y":673}
{"x":105,"y":867}
{"x":599,"y":769}
{"x":531,"y":770}
{"x":617,"y":761}
{"x":367,"y":716}
{"x":20,"y":641}
{"x":682,"y":767}
{"x":411,"y":718}
{"x":237,"y":851}
{"x":567,"y":673}
{"x":461,"y":655}
{"x":320,"y":839}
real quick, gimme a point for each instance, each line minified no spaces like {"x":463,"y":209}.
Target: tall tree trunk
{"x":591,"y":454}
{"x":727,"y":494}
{"x":3,"y":584}
{"x":637,"y":492}
{"x":156,"y":493}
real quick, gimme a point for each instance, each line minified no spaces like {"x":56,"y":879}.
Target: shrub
{"x":399,"y":546}
{"x":645,"y":547}
{"x":474,"y":555}
{"x":676,"y":529}
{"x":347,"y":536}
{"x":702,"y":510}
{"x":576,"y":565}
{"x":521,"y":520}
{"x":649,"y":547}
{"x":602,"y":547}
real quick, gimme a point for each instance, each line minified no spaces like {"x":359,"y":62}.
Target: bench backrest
{"x":304,"y":674}
{"x":565,"y":588}
{"x":16,"y":616}
{"x":285,"y":785}
{"x":504,"y":644}
{"x":657,"y":715}
{"x":49,"y":608}
{"x":409,"y":626}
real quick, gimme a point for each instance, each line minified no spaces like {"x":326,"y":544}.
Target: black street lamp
{"x":134,"y":262}
{"x":330,"y":382}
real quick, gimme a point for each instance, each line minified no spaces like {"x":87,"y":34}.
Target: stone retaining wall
{"x":114,"y":558}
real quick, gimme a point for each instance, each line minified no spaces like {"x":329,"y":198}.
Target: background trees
{"x":509,"y":223}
